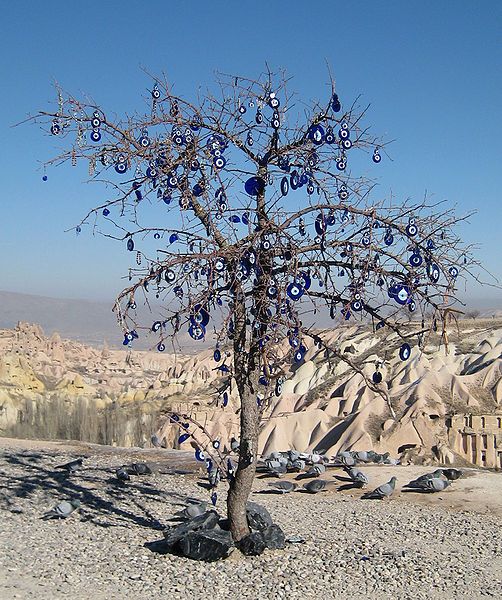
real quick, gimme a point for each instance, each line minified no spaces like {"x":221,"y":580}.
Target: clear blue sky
{"x":430,"y":69}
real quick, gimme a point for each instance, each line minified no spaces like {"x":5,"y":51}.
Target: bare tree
{"x":244,"y":215}
{"x":473,"y":313}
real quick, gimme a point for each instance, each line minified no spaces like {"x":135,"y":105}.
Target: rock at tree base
{"x":274,"y":537}
{"x":258,"y":516}
{"x":253,"y":544}
{"x":202,"y":538}
{"x":207,"y":545}
{"x":206,"y":521}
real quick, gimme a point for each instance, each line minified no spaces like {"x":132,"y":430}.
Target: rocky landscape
{"x":443,"y":405}
{"x":422,"y":411}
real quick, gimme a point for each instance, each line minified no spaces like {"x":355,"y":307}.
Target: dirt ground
{"x":411,"y":546}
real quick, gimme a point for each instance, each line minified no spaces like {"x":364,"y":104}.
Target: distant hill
{"x":93,"y":322}
{"x":86,"y":321}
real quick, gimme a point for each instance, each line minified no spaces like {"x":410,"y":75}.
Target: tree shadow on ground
{"x":99,"y":492}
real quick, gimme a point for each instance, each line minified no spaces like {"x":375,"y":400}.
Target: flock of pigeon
{"x":312,"y":465}
{"x":307,"y":466}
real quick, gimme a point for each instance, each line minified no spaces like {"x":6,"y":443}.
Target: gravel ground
{"x":402,"y":548}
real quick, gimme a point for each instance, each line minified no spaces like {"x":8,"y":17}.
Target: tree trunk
{"x":245,"y":373}
{"x":240,"y":486}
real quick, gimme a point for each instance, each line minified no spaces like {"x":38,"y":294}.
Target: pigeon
{"x":62,"y":510}
{"x":344,"y":460}
{"x":372,"y":455}
{"x":315,"y":458}
{"x":362,"y":456}
{"x":139,"y":469}
{"x":72,"y":466}
{"x":192,"y":510}
{"x":293,"y":456}
{"x":357,"y":476}
{"x":316,"y":470}
{"x":234,"y":445}
{"x":385,"y":456}
{"x":157,"y":442}
{"x":382,"y":491}
{"x":122,"y":474}
{"x":277,"y":470}
{"x":231,"y":468}
{"x":284,"y":487}
{"x":273,"y":461}
{"x":379,"y":459}
{"x":452,"y":474}
{"x":315,"y":486}
{"x":436,"y":484}
{"x":214,"y":477}
{"x":416,"y":483}
{"x":298,"y":465}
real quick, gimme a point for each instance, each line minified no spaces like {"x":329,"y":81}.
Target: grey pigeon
{"x":277,"y":470}
{"x":315,"y":458}
{"x":293,"y":455}
{"x":274,"y":455}
{"x":357,"y":476}
{"x":139,"y":469}
{"x":437,"y":484}
{"x":231,"y":468}
{"x":344,"y":460}
{"x":122,"y":474}
{"x":313,"y":471}
{"x":379,"y":459}
{"x":417,"y":483}
{"x":316,"y":470}
{"x":273,"y":463}
{"x":382,"y":491}
{"x":214,"y":476}
{"x":191,"y":510}
{"x":72,"y":466}
{"x":234,"y":445}
{"x":452,"y":474}
{"x":371,"y":455}
{"x":62,"y":510}
{"x":362,"y":456}
{"x":284,"y":487}
{"x":315,"y":486}
{"x":157,"y":442}
{"x":298,"y":465}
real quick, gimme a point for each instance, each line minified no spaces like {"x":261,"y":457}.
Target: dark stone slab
{"x":274,"y":537}
{"x":206,"y":545}
{"x":206,"y":521}
{"x":258,"y":516}
{"x":253,"y":544}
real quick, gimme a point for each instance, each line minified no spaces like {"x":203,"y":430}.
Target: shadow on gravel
{"x":416,"y":491}
{"x":96,"y":488}
{"x":349,"y":486}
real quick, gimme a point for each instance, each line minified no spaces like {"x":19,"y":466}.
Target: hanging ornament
{"x":377,"y":377}
{"x":405,"y":352}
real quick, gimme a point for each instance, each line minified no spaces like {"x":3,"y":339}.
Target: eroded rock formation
{"x":51,"y":387}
